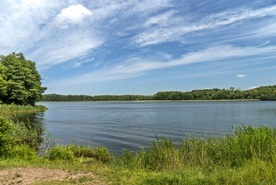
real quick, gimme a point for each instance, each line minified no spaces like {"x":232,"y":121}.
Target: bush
{"x":7,"y":142}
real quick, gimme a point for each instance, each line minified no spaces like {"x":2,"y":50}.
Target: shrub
{"x":6,"y":140}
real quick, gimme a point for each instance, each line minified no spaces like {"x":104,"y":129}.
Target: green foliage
{"x":261,"y":93}
{"x":126,"y":159}
{"x":7,"y":142}
{"x":81,"y":151}
{"x":60,"y":153}
{"x":248,"y":156}
{"x":27,"y":133}
{"x":162,"y":155}
{"x":13,"y":109}
{"x":19,"y":138}
{"x":76,"y":151}
{"x":58,"y":97}
{"x":102,"y":154}
{"x":19,"y":79}
{"x":23,"y":152}
{"x":165,"y":179}
{"x":99,"y":153}
{"x":246,"y":144}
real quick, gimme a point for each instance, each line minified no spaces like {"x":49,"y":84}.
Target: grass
{"x":12,"y":109}
{"x":82,"y":180}
{"x":248,"y":156}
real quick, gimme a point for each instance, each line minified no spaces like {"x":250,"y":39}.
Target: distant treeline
{"x":265,"y":93}
{"x":58,"y":97}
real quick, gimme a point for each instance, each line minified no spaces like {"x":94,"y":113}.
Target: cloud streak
{"x":54,"y":32}
{"x":157,"y":35}
{"x":135,"y":67}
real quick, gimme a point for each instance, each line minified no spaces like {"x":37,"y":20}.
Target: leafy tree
{"x":3,"y":82}
{"x":19,"y":79}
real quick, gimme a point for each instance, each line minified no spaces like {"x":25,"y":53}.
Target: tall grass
{"x":13,"y":109}
{"x":72,"y":151}
{"x":14,"y":134}
{"x":248,"y":156}
{"x":28,"y":133}
{"x":246,"y":144}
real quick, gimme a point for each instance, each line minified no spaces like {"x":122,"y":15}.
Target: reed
{"x":246,"y":144}
{"x":12,"y":109}
{"x":14,"y":134}
{"x":248,"y":156}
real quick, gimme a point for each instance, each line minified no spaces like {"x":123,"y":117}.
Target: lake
{"x":132,"y":125}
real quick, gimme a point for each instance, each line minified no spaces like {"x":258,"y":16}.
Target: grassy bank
{"x":248,"y":156}
{"x":13,"y":109}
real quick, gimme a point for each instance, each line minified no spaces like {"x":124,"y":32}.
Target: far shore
{"x":157,"y":101}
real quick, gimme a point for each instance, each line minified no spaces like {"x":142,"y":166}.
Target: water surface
{"x":131,"y":125}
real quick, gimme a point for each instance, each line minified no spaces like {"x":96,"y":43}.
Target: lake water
{"x":131,"y":125}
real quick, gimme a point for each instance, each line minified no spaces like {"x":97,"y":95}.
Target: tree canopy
{"x":264,"y":93}
{"x":20,"y":82}
{"x":260,"y":93}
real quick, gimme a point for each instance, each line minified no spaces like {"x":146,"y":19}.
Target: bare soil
{"x":32,"y":175}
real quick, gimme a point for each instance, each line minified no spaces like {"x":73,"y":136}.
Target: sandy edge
{"x":30,"y":175}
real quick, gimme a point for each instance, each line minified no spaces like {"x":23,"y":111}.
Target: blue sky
{"x":143,"y":46}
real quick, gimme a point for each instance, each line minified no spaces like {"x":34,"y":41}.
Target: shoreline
{"x":157,"y":101}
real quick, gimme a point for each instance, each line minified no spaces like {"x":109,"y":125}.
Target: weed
{"x":60,"y":153}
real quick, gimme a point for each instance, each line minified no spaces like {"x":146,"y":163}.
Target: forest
{"x":264,"y":93}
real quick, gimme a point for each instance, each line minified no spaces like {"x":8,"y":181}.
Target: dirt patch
{"x":32,"y":175}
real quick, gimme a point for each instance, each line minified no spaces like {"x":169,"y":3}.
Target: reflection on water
{"x":130,"y":125}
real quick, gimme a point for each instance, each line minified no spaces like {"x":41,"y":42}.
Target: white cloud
{"x":34,"y":28}
{"x":140,"y":66}
{"x":52,"y":32}
{"x":157,"y":35}
{"x":21,"y":23}
{"x":241,"y":76}
{"x":65,"y":47}
{"x":73,"y":14}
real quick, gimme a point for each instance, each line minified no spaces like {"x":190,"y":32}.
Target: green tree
{"x":3,"y":82}
{"x":20,"y":81}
